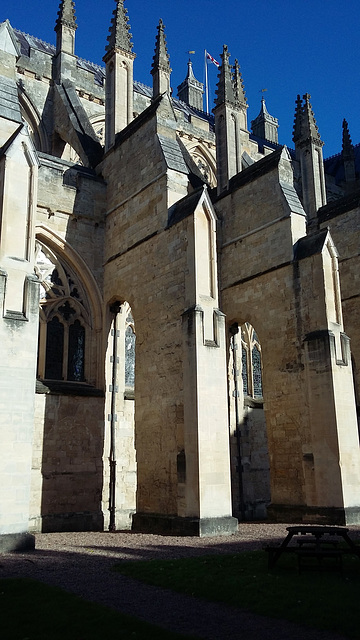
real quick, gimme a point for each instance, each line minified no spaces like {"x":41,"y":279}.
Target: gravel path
{"x":82,"y":562}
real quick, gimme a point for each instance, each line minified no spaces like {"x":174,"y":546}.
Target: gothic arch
{"x":202,"y":154}
{"x":91,"y":293}
{"x":98,"y":124}
{"x":36,"y":128}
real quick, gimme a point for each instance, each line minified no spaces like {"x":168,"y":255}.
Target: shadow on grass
{"x":325,"y":600}
{"x":31,"y":610}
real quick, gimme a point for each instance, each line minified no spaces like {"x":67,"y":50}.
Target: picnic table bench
{"x":314,"y":541}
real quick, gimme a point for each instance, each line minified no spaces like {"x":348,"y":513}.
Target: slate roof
{"x":26,"y":42}
{"x":172,"y":154}
{"x":292,"y":198}
{"x":191,"y":111}
{"x":184,"y":207}
{"x":310,"y":245}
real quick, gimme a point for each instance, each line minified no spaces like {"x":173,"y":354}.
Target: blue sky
{"x":284,"y":46}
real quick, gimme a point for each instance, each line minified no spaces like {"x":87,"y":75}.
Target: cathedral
{"x":180,"y":306}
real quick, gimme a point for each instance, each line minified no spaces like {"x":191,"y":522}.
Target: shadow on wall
{"x":71,"y":466}
{"x":249,"y":455}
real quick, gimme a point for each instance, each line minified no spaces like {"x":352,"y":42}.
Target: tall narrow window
{"x":244,"y":357}
{"x":54,"y":350}
{"x":251,"y":362}
{"x":130,"y":339}
{"x":76,"y":352}
{"x":64,"y":319}
{"x":257,"y":377}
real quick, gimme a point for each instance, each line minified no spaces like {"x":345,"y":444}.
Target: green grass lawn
{"x":30,"y":610}
{"x":323,"y":600}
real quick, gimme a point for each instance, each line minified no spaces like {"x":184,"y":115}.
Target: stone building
{"x":178,"y":293}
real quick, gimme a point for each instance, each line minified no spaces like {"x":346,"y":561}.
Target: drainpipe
{"x":234,"y":330}
{"x":115,"y":309}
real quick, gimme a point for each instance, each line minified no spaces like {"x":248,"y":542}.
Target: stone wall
{"x":67,"y":468}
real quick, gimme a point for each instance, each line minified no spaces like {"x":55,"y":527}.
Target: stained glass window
{"x":64,"y":317}
{"x":245,"y":370}
{"x":257,"y":377}
{"x":76,"y":352}
{"x":54,"y":350}
{"x":251,"y":362}
{"x":130,"y":357}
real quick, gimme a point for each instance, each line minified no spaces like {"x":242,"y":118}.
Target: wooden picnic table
{"x":314,"y":541}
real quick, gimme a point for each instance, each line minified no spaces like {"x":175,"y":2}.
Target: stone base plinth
{"x":313,"y":515}
{"x":16,"y":542}
{"x":67,"y":522}
{"x":176,"y":526}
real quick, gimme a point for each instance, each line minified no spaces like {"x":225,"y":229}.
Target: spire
{"x":160,"y":69}
{"x":298,"y":126}
{"x":348,"y":157}
{"x":265,"y":126}
{"x":347,"y":145}
{"x":310,"y":127}
{"x":120,"y":35}
{"x":191,"y":90}
{"x":66,"y":15}
{"x":305,"y":127}
{"x":239,"y":90}
{"x":119,"y":60}
{"x":308,"y":148}
{"x":225,"y":88}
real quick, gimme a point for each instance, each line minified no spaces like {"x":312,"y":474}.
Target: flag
{"x":209,"y":57}
{"x":191,"y":52}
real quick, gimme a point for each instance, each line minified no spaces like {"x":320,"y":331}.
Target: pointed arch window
{"x":64,"y":320}
{"x":251,"y":362}
{"x":130,"y":339}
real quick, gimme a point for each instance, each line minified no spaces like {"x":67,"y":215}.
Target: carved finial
{"x":239,"y":90}
{"x":348,"y":156}
{"x":161,"y":60}
{"x":310,"y":128}
{"x":66,"y":15}
{"x":298,"y":121}
{"x":120,"y":35}
{"x":347,"y":146}
{"x":225,"y":87}
{"x":305,"y":127}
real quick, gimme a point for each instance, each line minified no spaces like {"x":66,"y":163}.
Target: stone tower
{"x":265,"y":126}
{"x":308,"y":147}
{"x":160,"y":69}
{"x":230,"y":121}
{"x":191,"y":90}
{"x":119,"y":60}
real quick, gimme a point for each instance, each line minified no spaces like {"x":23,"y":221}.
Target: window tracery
{"x":130,"y":338}
{"x":251,"y":362}
{"x":64,"y":319}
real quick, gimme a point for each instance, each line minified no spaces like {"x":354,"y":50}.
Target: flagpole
{"x":206,"y":84}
